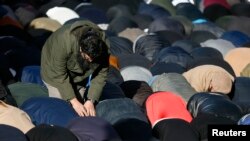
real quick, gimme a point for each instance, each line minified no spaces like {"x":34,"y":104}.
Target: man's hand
{"x":90,"y":108}
{"x":78,"y":107}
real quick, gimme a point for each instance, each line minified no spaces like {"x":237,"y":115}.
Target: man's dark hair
{"x":92,"y":44}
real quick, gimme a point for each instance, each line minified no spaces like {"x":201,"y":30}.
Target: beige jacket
{"x":13,"y":116}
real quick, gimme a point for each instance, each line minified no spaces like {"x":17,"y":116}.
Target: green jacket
{"x":59,"y":65}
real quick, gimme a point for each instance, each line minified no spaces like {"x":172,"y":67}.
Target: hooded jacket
{"x":59,"y":66}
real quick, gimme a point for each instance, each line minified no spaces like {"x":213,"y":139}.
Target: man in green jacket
{"x":74,"y":55}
